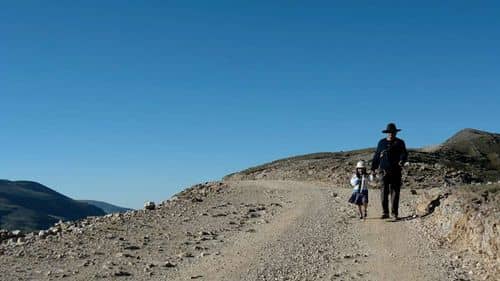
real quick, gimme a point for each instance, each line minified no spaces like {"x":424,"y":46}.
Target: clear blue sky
{"x":127,"y":102}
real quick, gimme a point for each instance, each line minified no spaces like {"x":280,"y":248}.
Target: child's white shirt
{"x":362,"y":182}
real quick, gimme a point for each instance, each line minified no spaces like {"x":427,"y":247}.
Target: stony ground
{"x":247,"y":230}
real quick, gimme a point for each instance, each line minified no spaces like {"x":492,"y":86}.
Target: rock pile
{"x":18,"y":238}
{"x":197,"y":192}
{"x":10,"y":235}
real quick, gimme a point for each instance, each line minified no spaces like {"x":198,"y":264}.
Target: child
{"x":360,"y":192}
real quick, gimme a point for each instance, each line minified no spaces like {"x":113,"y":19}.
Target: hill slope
{"x":470,"y":156}
{"x":28,"y":206}
{"x":480,"y":145}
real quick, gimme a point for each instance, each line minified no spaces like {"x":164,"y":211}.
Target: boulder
{"x":149,"y":205}
{"x":43,"y":233}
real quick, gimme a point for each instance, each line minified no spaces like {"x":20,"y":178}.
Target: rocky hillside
{"x":469,"y":157}
{"x":28,"y":206}
{"x":467,"y":218}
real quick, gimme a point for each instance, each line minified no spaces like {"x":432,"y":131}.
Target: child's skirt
{"x":359,"y":198}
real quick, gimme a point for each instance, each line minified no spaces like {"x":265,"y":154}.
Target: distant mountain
{"x":106,"y":207}
{"x":29,"y":206}
{"x":480,"y":145}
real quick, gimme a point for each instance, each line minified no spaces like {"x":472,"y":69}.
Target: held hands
{"x":376,"y":177}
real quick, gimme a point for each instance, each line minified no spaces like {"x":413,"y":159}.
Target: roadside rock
{"x":149,"y":205}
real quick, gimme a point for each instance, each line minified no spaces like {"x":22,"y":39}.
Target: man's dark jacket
{"x":389,"y":154}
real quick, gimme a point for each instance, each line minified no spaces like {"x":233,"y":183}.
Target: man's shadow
{"x":407,"y":218}
{"x":401,"y":219}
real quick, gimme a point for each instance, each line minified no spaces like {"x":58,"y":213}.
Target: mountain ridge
{"x":28,"y":206}
{"x":108,"y":208}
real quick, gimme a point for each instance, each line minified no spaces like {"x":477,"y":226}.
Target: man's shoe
{"x":384,"y":216}
{"x":395,"y":216}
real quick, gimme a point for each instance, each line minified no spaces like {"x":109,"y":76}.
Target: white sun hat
{"x":361,"y":165}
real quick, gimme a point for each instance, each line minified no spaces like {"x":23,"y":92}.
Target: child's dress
{"x":360,"y":191}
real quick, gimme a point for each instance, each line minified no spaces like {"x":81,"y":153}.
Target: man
{"x":389,"y":158}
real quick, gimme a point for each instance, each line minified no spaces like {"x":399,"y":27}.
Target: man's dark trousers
{"x":391,"y":185}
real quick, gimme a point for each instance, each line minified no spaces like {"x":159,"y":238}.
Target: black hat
{"x":391,"y":128}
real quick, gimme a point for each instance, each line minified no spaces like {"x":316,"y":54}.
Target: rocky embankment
{"x":467,"y":219}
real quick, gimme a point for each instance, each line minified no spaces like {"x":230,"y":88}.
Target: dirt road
{"x":319,"y":237}
{"x":251,"y":230}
